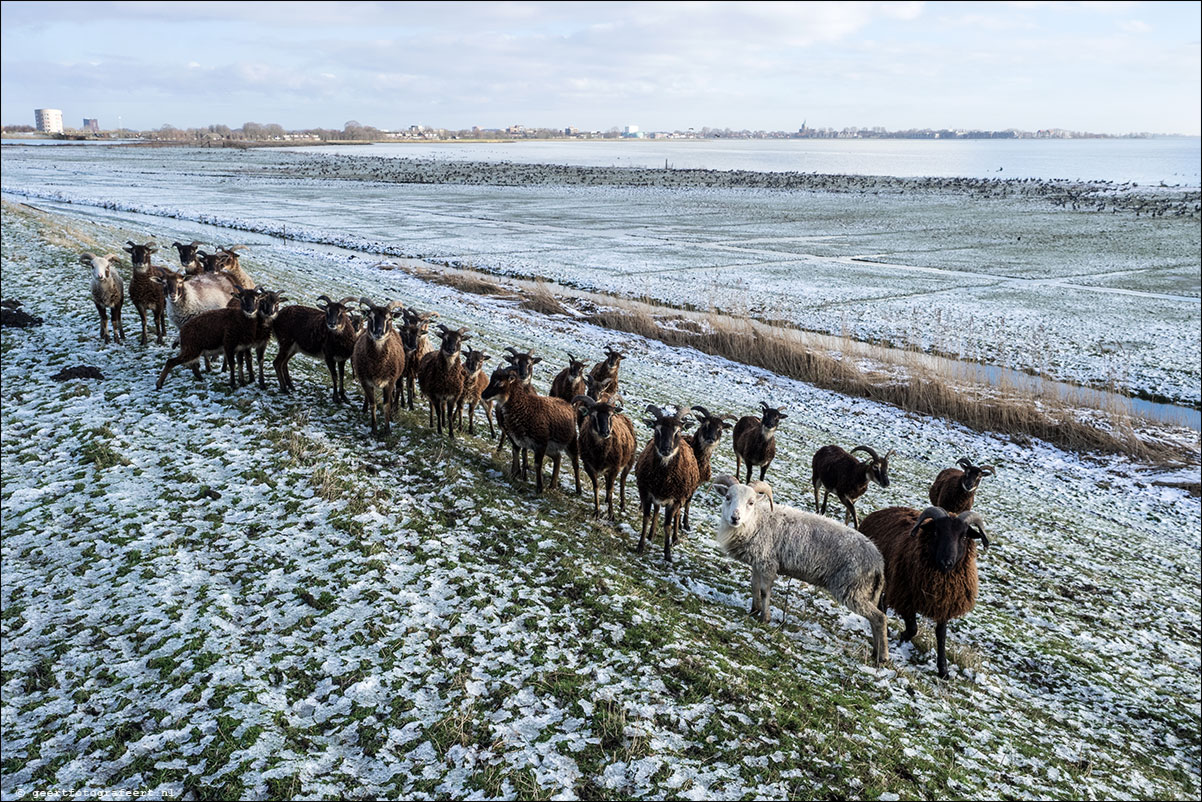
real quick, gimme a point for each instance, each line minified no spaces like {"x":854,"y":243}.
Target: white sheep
{"x":108,"y":293}
{"x":805,"y":546}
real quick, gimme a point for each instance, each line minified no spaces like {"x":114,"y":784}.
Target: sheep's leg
{"x":451,"y":409}
{"x":645,"y":505}
{"x":609,"y":494}
{"x":525,"y":465}
{"x":160,"y":324}
{"x":671,"y":529}
{"x":488,"y":417}
{"x":104,"y":324}
{"x":592,"y":475}
{"x":766,"y":579}
{"x":814,"y":481}
{"x":749,"y":467}
{"x":878,"y":621}
{"x":118,"y":325}
{"x":171,"y":363}
{"x":850,"y":516}
{"x":576,"y":468}
{"x":755,"y":591}
{"x":539,"y":453}
{"x":764,"y":470}
{"x":500,"y":427}
{"x":941,"y":646}
{"x":431,"y":399}
{"x":142,"y":314}
{"x":688,"y":503}
{"x":369,"y":404}
{"x":280,"y":363}
{"x":388,"y":408}
{"x":738,"y":466}
{"x":911,"y":629}
{"x":622,"y":491}
{"x":556,"y":459}
{"x":471,"y":419}
{"x":826,"y":494}
{"x":196,"y":372}
{"x":342,"y":396}
{"x":260,"y":352}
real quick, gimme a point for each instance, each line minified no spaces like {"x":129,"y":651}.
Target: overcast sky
{"x":1103,"y":67}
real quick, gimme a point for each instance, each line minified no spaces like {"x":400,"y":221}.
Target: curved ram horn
{"x":867,"y":450}
{"x":325,"y":298}
{"x":766,"y":489}
{"x":726,"y":480}
{"x":965,"y":463}
{"x":764,"y":406}
{"x":394,"y":305}
{"x":930,"y":513}
{"x":347,"y":300}
{"x":584,"y":399}
{"x":365,"y":301}
{"x":987,"y":470}
{"x":972,"y":519}
{"x":653,"y":411}
{"x":704,"y":412}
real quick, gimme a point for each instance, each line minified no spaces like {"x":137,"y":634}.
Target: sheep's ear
{"x":534,"y":360}
{"x":723,"y":484}
{"x":650,"y":424}
{"x":158,"y":279}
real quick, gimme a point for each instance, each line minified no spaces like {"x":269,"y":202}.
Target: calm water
{"x":1171,"y":160}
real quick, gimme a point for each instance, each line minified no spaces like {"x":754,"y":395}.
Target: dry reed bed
{"x":911,"y":384}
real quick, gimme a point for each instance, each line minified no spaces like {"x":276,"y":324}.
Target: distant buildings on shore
{"x":48,"y":121}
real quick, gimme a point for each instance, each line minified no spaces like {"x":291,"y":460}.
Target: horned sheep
{"x":837,"y":470}
{"x":955,"y":490}
{"x":930,"y":566}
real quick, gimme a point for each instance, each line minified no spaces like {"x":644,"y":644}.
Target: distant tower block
{"x":91,"y":124}
{"x":49,"y":121}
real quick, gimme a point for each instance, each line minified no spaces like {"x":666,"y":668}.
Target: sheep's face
{"x":575,"y":368}
{"x":603,"y":418}
{"x":739,"y":504}
{"x":973,"y":474}
{"x":501,"y":383}
{"x":140,"y":254}
{"x":612,"y":360}
{"x":269,"y":305}
{"x":879,"y":471}
{"x":101,"y":266}
{"x":187,"y":253}
{"x":337,"y":316}
{"x":378,"y":321}
{"x":666,"y":434}
{"x":248,"y":301}
{"x":452,"y":341}
{"x":474,"y":361}
{"x":709,"y":431}
{"x":771,"y":419}
{"x":173,"y":284}
{"x":524,"y":363}
{"x":947,"y":541}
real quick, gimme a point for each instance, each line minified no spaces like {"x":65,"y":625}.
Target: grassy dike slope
{"x":216,"y":594}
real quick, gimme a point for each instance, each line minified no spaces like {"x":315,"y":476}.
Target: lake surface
{"x":1171,"y":160}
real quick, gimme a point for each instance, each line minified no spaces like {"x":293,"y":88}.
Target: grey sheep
{"x":805,"y":546}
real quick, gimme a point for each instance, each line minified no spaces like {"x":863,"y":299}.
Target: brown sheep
{"x":569,"y":382}
{"x":146,"y":293}
{"x":755,"y":440}
{"x":837,"y":470}
{"x":536,"y":422}
{"x":440,"y":377}
{"x":955,"y":490}
{"x":930,"y":566}
{"x":709,"y":432}
{"x":325,"y":333}
{"x":607,"y":445}
{"x":666,"y":474}
{"x":475,"y":380}
{"x":378,"y":358}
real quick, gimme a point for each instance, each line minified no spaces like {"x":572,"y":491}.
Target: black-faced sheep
{"x":955,"y":490}
{"x":755,"y":440}
{"x":930,"y":565}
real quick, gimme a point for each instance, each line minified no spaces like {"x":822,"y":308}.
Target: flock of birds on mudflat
{"x":915,"y":561}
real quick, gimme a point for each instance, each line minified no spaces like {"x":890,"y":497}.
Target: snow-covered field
{"x":996,"y":274}
{"x":216,"y":594}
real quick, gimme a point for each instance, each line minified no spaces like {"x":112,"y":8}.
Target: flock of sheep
{"x":917,"y":562}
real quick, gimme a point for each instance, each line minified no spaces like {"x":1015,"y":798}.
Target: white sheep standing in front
{"x":805,"y":546}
